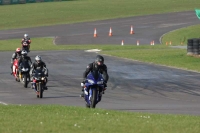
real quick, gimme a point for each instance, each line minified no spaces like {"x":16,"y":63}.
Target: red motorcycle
{"x":15,"y":69}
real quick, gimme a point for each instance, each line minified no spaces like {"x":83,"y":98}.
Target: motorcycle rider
{"x":39,"y":64}
{"x":27,"y":40}
{"x":97,"y":65}
{"x":15,"y":55}
{"x":24,"y":59}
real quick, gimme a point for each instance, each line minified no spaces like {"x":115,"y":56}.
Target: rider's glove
{"x":82,"y":84}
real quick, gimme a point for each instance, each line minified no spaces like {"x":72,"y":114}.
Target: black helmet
{"x":99,"y":59}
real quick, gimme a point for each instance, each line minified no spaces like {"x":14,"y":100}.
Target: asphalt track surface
{"x":133,"y":86}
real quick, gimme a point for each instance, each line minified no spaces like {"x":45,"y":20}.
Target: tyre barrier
{"x":193,"y":46}
{"x":189,"y":47}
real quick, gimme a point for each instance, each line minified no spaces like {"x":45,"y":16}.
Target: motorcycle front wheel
{"x":25,"y":80}
{"x":94,"y":98}
{"x":40,"y":90}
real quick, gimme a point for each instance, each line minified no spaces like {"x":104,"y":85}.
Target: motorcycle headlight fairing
{"x":90,"y":81}
{"x":25,"y":69}
{"x":100,"y":82}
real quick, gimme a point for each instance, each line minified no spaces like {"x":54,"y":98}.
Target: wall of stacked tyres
{"x":9,"y":2}
{"x":193,"y":47}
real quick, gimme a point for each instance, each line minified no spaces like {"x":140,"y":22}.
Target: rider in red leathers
{"x":15,"y":55}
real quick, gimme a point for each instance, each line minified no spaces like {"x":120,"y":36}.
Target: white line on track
{"x":3,"y":103}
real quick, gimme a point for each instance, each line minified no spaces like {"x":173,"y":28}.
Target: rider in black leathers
{"x":39,"y":64}
{"x":24,"y":59}
{"x":27,"y":40}
{"x":97,"y":65}
{"x":15,"y":55}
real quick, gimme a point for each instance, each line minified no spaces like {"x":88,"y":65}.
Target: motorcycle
{"x":15,"y":70}
{"x":93,"y":89}
{"x":24,"y":75}
{"x":38,"y":83}
{"x":25,"y":46}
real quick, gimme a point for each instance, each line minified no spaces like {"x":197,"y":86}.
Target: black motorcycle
{"x":38,"y":84}
{"x":24,"y":76}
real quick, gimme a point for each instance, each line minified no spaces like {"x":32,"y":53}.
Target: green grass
{"x":62,"y":119}
{"x":162,"y":55}
{"x":51,"y":13}
{"x":182,"y":35}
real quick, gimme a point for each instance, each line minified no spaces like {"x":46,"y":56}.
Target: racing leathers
{"x":24,"y":60}
{"x":15,"y":55}
{"x":94,"y":67}
{"x":28,"y":41}
{"x":41,"y":66}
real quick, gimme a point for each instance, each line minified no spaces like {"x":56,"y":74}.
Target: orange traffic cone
{"x":110,"y":32}
{"x":122,"y":42}
{"x":131,"y":32}
{"x":166,"y":43}
{"x":138,"y":43}
{"x":95,"y":32}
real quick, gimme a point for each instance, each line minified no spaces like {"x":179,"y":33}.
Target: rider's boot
{"x":45,"y":87}
{"x":87,"y":105}
{"x":11,"y":69}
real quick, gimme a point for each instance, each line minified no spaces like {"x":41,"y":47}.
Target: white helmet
{"x":24,"y":52}
{"x":26,"y":36}
{"x":38,"y":58}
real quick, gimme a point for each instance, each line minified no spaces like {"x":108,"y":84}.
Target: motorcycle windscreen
{"x":25,"y":64}
{"x":94,"y":75}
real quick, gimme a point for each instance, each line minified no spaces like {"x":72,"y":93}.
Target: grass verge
{"x":180,"y":36}
{"x":62,"y":119}
{"x":51,"y":13}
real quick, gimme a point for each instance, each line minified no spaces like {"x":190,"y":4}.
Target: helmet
{"x":38,"y":59}
{"x":24,"y":53}
{"x":99,"y":60}
{"x":26,"y":36}
{"x":18,"y":50}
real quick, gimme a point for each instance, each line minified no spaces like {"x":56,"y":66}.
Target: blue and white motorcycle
{"x":93,"y":89}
